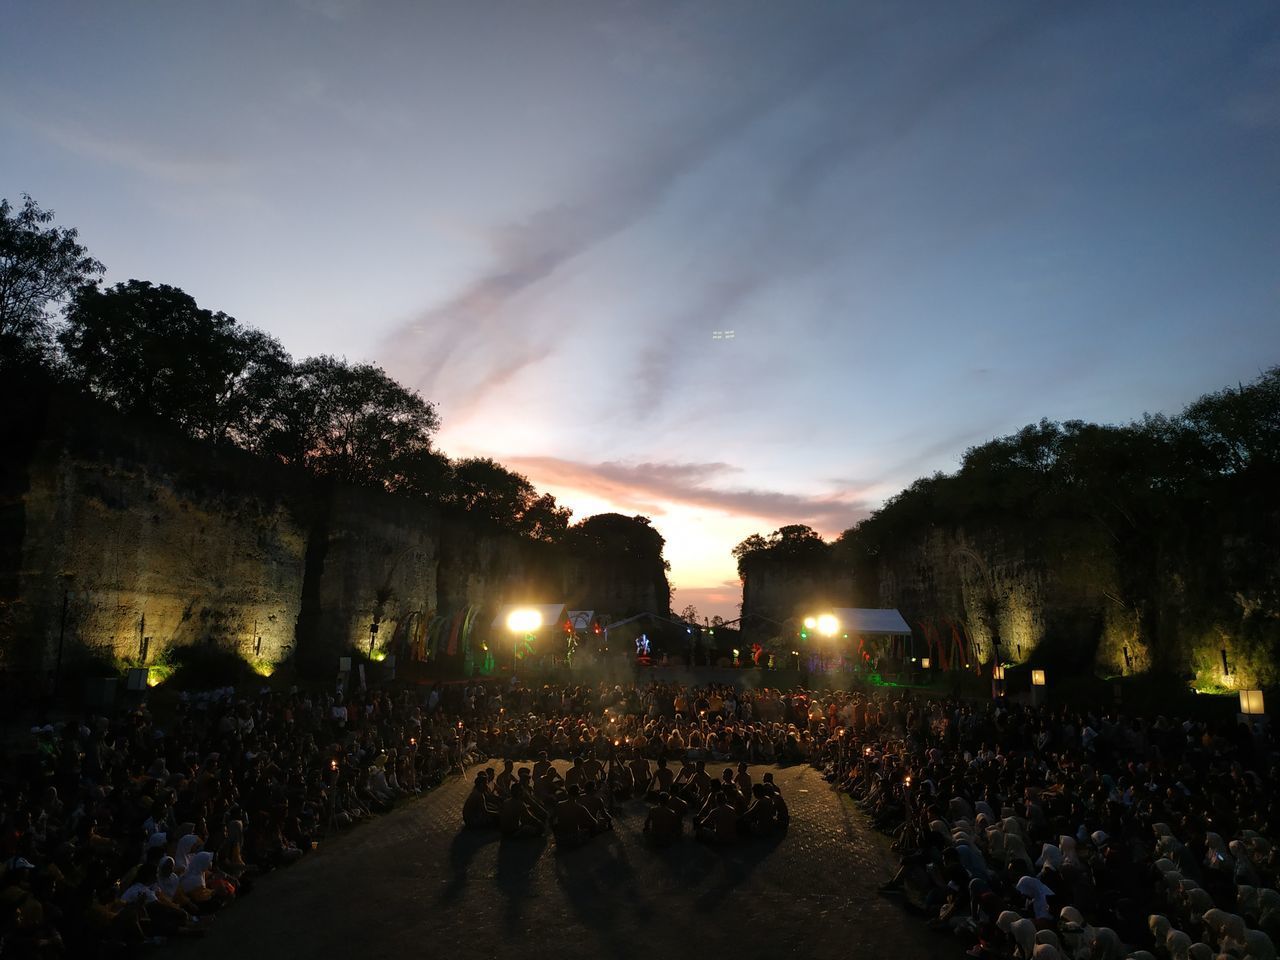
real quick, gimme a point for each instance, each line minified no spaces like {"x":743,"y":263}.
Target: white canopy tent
{"x":869,"y":621}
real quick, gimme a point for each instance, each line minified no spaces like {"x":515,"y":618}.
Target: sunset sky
{"x":926,"y":225}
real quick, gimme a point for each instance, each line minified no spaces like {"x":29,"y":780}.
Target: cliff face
{"x":1065,"y":593}
{"x":150,"y":541}
{"x":774,"y":592}
{"x":993,"y":589}
{"x":144,"y":544}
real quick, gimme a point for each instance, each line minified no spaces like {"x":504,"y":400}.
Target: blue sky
{"x":927,"y":225}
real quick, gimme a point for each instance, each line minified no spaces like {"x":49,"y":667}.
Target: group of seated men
{"x":577,"y":805}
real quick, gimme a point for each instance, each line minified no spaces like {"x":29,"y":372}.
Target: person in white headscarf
{"x":1178,"y":945}
{"x":1259,"y":946}
{"x":1044,"y":951}
{"x":1105,"y":945}
{"x":187,"y":845}
{"x":1037,"y":895}
{"x":195,"y":881}
{"x":1269,"y":911}
{"x":1159,"y":926}
{"x":1023,"y":932}
{"x":1070,"y":855}
{"x":167,"y":878}
{"x":1247,"y":901}
{"x":1244,"y":870}
{"x":1049,"y":937}
{"x":1233,"y":935}
{"x":1050,"y":859}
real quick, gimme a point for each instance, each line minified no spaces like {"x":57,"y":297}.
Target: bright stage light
{"x":524,"y":621}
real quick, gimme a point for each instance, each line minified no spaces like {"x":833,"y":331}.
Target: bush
{"x":204,"y":666}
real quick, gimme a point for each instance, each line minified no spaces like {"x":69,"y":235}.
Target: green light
{"x":803,"y":635}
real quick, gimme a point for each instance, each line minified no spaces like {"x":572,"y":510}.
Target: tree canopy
{"x":795,"y":543}
{"x":40,"y":265}
{"x":150,"y":350}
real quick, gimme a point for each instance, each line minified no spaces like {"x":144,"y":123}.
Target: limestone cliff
{"x":119,"y":540}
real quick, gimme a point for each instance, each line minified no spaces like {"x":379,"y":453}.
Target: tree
{"x":151,"y":350}
{"x":794,"y":543}
{"x":352,"y":422}
{"x":39,"y":265}
{"x":619,"y":537}
{"x":690,"y":613}
{"x":486,"y":489}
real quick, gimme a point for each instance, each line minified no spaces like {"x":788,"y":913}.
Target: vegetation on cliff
{"x":150,"y":350}
{"x":1187,"y":503}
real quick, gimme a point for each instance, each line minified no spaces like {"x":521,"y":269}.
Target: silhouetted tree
{"x":794,"y":544}
{"x":152,"y":350}
{"x":40,"y":265}
{"x":489,"y":491}
{"x":352,"y":422}
{"x":619,"y":536}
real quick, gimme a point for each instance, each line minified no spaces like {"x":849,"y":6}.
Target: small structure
{"x":878,"y":632}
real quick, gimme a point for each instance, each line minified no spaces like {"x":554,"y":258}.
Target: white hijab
{"x":1037,"y":893}
{"x":193,"y":877}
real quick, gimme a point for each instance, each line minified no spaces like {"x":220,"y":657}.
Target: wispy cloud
{"x":152,"y":160}
{"x":646,"y":487}
{"x":494,"y":308}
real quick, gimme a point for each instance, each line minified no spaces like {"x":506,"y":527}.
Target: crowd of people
{"x":135,"y":828}
{"x":1037,"y":832}
{"x":1026,"y":833}
{"x":579,"y":804}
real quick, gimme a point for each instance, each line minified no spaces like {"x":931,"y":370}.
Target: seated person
{"x":593,"y":798}
{"x":640,"y":774}
{"x":782,"y":815}
{"x":621,"y":783}
{"x":662,"y":779}
{"x":536,"y":807}
{"x":720,"y":824}
{"x":700,"y":781}
{"x":544,"y":768}
{"x":578,"y":775}
{"x":574,"y":824}
{"x":480,"y":809}
{"x":505,"y":779}
{"x":517,"y":820}
{"x":761,"y":815}
{"x":663,"y":824}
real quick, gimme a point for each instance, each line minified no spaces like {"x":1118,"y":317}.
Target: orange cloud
{"x":653,"y":488}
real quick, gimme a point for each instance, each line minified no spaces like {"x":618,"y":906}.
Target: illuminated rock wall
{"x":1062,"y":595}
{"x":155,"y":541}
{"x":990,"y":586}
{"x":141,"y":543}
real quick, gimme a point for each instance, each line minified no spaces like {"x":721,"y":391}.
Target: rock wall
{"x":1061,"y":596}
{"x":119,"y":540}
{"x":774,"y":592}
{"x":994,"y":589}
{"x":1063,"y":593}
{"x":118,"y":545}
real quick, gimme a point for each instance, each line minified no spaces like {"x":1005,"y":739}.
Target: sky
{"x":732,"y":264}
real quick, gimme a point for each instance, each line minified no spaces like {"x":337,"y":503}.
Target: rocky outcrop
{"x":119,"y":540}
